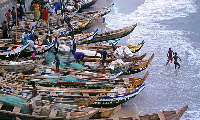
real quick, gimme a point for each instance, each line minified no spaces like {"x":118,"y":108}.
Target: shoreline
{"x":124,"y":112}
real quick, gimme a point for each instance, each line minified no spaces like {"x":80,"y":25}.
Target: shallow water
{"x":163,"y":24}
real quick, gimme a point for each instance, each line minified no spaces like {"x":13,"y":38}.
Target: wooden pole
{"x":16,"y":21}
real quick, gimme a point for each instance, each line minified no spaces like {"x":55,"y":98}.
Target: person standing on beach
{"x":21,"y":11}
{"x":56,"y":44}
{"x":25,"y":36}
{"x":45,"y":41}
{"x":33,"y":98}
{"x":169,"y":55}
{"x":13,"y":13}
{"x":103,"y":55}
{"x":8,"y":16}
{"x":67,"y":19}
{"x":57,"y":61}
{"x":175,"y":57}
{"x":5,"y":29}
{"x":45,"y":15}
{"x":36,"y":11}
{"x":78,"y":56}
{"x":32,"y":25}
{"x":73,"y":43}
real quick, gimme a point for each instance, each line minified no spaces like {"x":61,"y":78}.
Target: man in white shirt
{"x":25,"y":34}
{"x":31,"y":46}
{"x":32,"y":24}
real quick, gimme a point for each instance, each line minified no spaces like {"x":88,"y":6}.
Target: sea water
{"x":163,"y":24}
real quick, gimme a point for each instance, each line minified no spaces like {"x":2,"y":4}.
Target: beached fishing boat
{"x":10,"y":52}
{"x":111,"y":35}
{"x":47,"y":112}
{"x":40,"y":49}
{"x":106,"y":112}
{"x":141,"y":65}
{"x":87,"y":4}
{"x":25,"y":66}
{"x":164,"y":115}
{"x":133,"y":48}
{"x":100,"y":82}
{"x":88,"y":38}
{"x":108,"y":60}
{"x":125,"y":67}
{"x":107,"y":97}
{"x":41,"y":101}
{"x":87,"y":101}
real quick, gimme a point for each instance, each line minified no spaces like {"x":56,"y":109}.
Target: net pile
{"x":13,"y":101}
{"x":76,"y":66}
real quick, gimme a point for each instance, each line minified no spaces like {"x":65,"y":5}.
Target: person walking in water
{"x":169,"y":55}
{"x":175,"y":57}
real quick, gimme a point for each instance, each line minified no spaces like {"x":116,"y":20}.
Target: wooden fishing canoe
{"x":79,"y":101}
{"x":164,"y":115}
{"x":40,"y":49}
{"x":133,"y":48}
{"x":88,"y":4}
{"x":112,"y":35}
{"x":47,"y":113}
{"x":108,"y":60}
{"x":10,"y":52}
{"x":141,"y":65}
{"x":20,"y":67}
{"x":134,"y":67}
{"x":107,"y":97}
{"x":106,"y":112}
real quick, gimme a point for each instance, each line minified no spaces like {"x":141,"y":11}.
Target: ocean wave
{"x":170,"y":88}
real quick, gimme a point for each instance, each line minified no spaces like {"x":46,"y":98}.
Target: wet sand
{"x":124,"y":112}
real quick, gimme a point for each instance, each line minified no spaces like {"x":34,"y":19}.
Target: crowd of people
{"x":41,"y":11}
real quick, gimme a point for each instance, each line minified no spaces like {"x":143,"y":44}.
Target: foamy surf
{"x":166,"y":87}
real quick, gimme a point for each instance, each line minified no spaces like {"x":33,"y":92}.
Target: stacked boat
{"x":91,"y":89}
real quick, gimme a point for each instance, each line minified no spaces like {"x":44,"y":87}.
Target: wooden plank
{"x":1,"y":104}
{"x":53,"y":113}
{"x":16,"y":109}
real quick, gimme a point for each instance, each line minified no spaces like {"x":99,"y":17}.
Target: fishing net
{"x":13,"y":101}
{"x":64,"y":107}
{"x":51,"y":57}
{"x":76,"y":66}
{"x":63,"y":79}
{"x":53,"y":79}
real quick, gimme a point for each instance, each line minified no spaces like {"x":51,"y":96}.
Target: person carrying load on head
{"x":36,"y":11}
